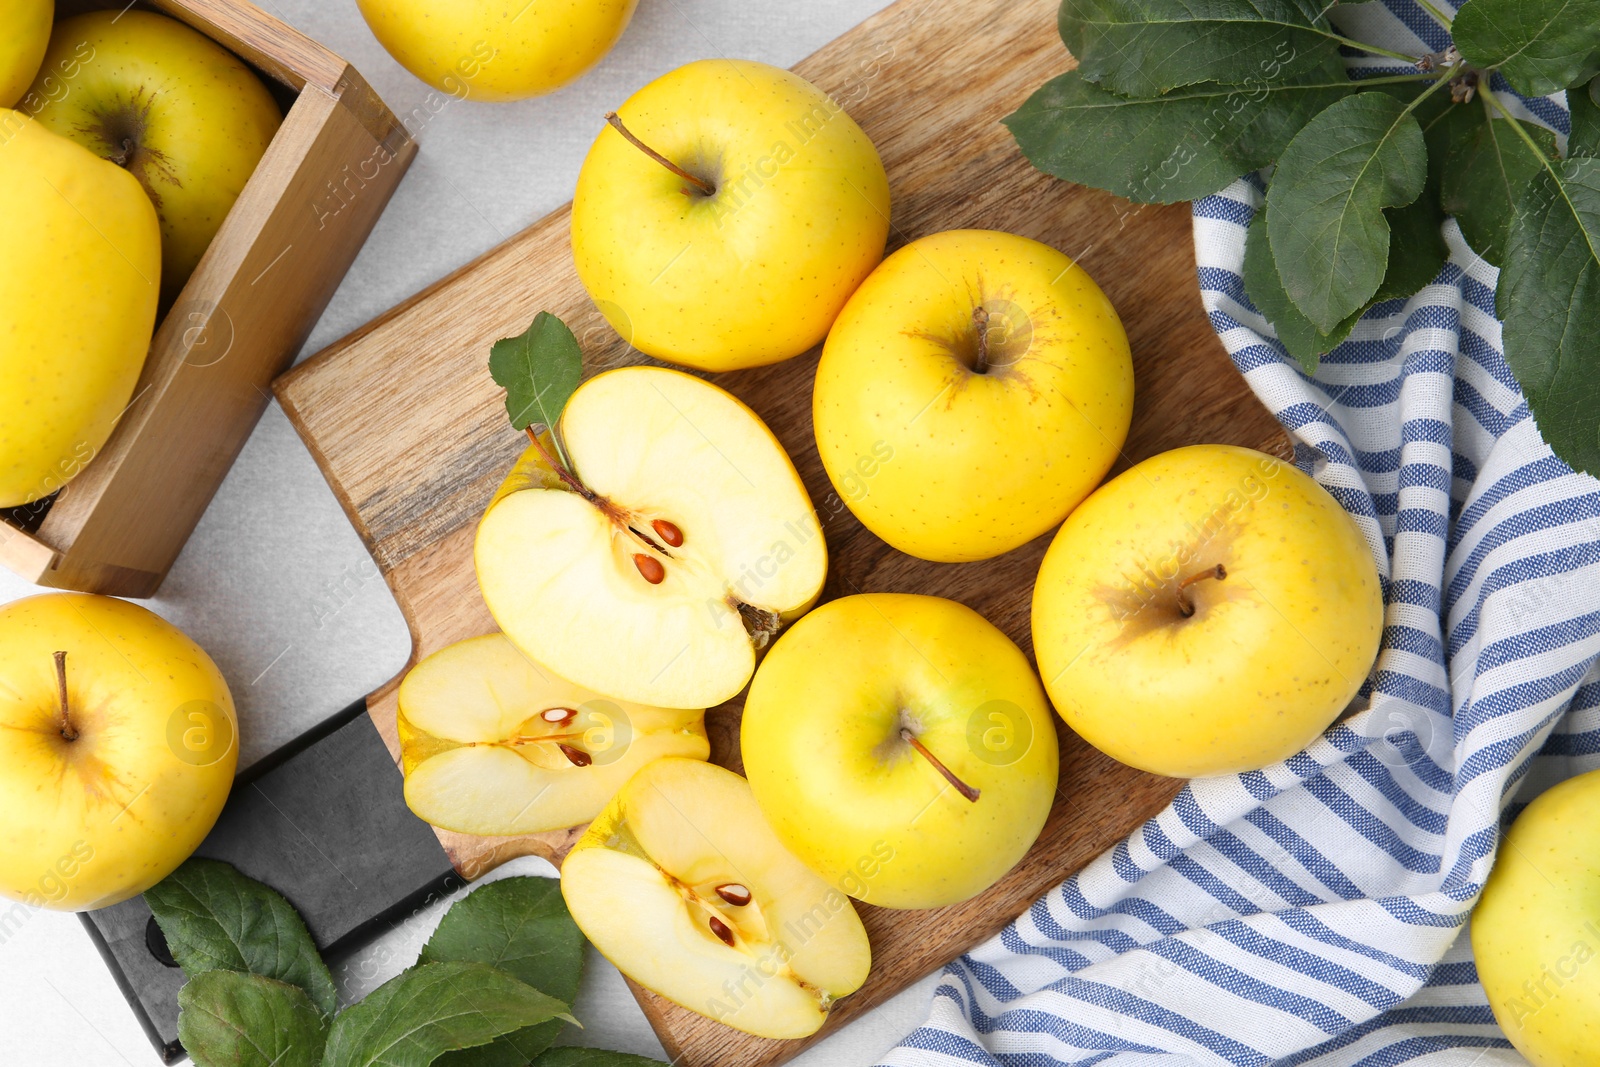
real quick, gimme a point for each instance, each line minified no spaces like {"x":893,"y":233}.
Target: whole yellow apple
{"x":973,"y":391}
{"x":1536,"y":928}
{"x":26,"y":32}
{"x":902,"y":747}
{"x":482,"y":50}
{"x":117,"y":749}
{"x":79,"y":270}
{"x":174,"y":108}
{"x":1210,"y":610}
{"x":736,"y":225}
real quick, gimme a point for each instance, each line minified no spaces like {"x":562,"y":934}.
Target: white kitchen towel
{"x":1313,"y":913}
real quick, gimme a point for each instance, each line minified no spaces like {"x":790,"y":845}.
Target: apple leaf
{"x":228,"y":1019}
{"x":1417,"y":250}
{"x":1584,"y":107}
{"x":1549,"y":297}
{"x":1325,"y":219}
{"x":574,"y":1056}
{"x":539,"y":370}
{"x":1541,"y":46}
{"x":520,"y":925}
{"x":1486,"y":170}
{"x":1295,"y":332}
{"x":1145,"y":48}
{"x":434,"y":1008}
{"x":1189,"y":143}
{"x":215,"y":918}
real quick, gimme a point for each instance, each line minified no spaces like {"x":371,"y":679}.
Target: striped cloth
{"x":1313,"y":913}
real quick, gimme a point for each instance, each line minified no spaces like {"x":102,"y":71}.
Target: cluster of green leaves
{"x":492,"y":988}
{"x":1173,"y":99}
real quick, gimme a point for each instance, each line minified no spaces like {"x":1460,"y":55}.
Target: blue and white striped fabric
{"x":1313,"y":913}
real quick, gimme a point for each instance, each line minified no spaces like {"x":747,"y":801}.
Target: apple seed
{"x":721,"y":929}
{"x":576,"y":756}
{"x":734,"y":894}
{"x":650,"y":568}
{"x":558,"y":716}
{"x":668,"y":532}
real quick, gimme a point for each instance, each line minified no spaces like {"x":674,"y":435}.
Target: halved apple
{"x":678,"y":543}
{"x":682,"y":885}
{"x":492,"y":744}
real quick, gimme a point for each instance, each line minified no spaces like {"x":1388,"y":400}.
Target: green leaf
{"x":1486,"y":170}
{"x":520,"y":925}
{"x":229,"y":1019}
{"x":1541,"y":46}
{"x":1189,"y":143}
{"x":1144,"y":48}
{"x":573,"y":1056}
{"x":1584,"y":106}
{"x":539,"y":370}
{"x":1417,"y":250}
{"x":215,"y":918}
{"x":1261,"y":283}
{"x":1549,"y":297}
{"x":434,"y":1008}
{"x":1325,"y":219}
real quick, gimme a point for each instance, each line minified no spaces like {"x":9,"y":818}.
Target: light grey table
{"x":271,"y":584}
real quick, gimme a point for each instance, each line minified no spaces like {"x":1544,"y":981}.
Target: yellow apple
{"x":902,"y":747}
{"x":79,"y":271}
{"x":1536,"y":928}
{"x":173,"y":107}
{"x":1210,"y":610}
{"x":683,"y":886}
{"x":491,"y":743}
{"x":738,"y":246}
{"x":483,"y":50}
{"x":24,"y":33}
{"x":112,"y":777}
{"x":973,"y":391}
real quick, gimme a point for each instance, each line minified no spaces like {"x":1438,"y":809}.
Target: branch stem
{"x":1488,"y":94}
{"x":1438,"y":16}
{"x":1362,"y":46}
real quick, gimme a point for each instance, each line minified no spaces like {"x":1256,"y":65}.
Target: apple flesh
{"x":902,"y":747}
{"x":972,"y":392}
{"x":171,"y":107}
{"x":683,"y":886}
{"x":107,"y":788}
{"x":748,"y":259}
{"x":1210,"y":610}
{"x":492,"y":744}
{"x":682,"y":542}
{"x":1536,"y":928}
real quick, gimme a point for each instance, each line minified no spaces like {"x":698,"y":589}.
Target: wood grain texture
{"x":246,"y":311}
{"x":412,"y":434}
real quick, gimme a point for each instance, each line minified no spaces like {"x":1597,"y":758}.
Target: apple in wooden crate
{"x":493,"y":743}
{"x":681,"y":884}
{"x":175,"y":109}
{"x":1208,"y":611}
{"x":902,"y":747}
{"x":972,"y":392}
{"x":726,"y":215}
{"x":118,"y":743}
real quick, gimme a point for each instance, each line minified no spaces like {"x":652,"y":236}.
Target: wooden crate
{"x":118,"y":526}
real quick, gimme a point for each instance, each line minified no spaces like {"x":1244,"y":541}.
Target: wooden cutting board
{"x":411,"y":431}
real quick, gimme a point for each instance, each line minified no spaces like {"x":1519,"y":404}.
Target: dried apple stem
{"x":705,"y":187}
{"x":980,"y":319}
{"x":922,"y":750}
{"x":1185,"y":602}
{"x":68,"y":732}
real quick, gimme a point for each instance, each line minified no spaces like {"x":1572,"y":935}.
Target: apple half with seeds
{"x":654,"y":543}
{"x":491,"y":743}
{"x":682,"y":885}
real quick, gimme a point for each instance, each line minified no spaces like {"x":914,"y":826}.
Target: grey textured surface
{"x":277,"y":586}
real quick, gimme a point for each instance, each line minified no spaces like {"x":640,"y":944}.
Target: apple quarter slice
{"x":493,"y":744}
{"x":689,"y":543}
{"x":682,"y":885}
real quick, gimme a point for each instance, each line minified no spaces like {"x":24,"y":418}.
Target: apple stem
{"x":705,"y":187}
{"x":980,"y":319}
{"x":1185,"y":603}
{"x":961,"y":787}
{"x":67,"y":731}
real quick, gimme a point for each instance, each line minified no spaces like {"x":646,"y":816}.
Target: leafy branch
{"x":1172,"y":101}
